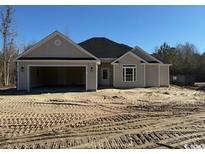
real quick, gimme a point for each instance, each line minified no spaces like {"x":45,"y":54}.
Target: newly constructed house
{"x":57,"y":61}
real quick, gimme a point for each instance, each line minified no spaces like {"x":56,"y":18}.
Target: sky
{"x":144,"y":26}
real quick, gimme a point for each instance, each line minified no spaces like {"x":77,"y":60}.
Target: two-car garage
{"x":57,"y":61}
{"x":57,"y":75}
{"x":53,"y":77}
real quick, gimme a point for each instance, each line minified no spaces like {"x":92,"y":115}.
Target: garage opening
{"x":57,"y":78}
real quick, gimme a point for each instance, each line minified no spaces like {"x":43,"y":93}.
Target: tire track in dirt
{"x":100,"y":121}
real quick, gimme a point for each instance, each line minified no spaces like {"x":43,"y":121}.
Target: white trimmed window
{"x":129,"y":73}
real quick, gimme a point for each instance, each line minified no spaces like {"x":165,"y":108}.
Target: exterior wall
{"x":49,"y":49}
{"x":23,"y":75}
{"x":152,"y":75}
{"x":118,"y":73}
{"x":164,"y":75}
{"x":105,"y":65}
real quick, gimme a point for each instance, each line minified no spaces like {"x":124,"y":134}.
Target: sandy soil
{"x":171,"y":117}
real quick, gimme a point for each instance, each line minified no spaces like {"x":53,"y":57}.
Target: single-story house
{"x":97,"y":62}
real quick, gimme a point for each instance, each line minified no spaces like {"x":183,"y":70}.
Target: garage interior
{"x":58,"y":78}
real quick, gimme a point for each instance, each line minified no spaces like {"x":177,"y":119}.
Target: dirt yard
{"x":171,"y":117}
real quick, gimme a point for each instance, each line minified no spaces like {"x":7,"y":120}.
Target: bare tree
{"x":7,"y":34}
{"x":10,"y":56}
{"x":29,"y":45}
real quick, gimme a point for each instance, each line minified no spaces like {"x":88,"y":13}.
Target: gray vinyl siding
{"x":118,"y":73}
{"x":49,"y":49}
{"x":152,"y":76}
{"x":164,"y":75}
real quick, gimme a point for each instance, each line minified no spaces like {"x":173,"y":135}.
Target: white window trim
{"x":134,"y":76}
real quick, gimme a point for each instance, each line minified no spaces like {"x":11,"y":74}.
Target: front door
{"x":105,"y":79}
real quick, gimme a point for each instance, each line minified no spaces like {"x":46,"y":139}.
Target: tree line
{"x":185,"y":59}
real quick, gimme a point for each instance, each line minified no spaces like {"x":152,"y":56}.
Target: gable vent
{"x":57,"y":42}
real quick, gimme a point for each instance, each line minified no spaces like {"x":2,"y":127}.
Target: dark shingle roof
{"x":104,"y":48}
{"x":53,"y":58}
{"x":142,"y":54}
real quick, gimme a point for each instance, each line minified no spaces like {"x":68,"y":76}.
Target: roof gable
{"x":132,"y":54}
{"x":140,"y":55}
{"x":50,"y":47}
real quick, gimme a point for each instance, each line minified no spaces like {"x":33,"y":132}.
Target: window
{"x":105,"y":74}
{"x":129,"y":73}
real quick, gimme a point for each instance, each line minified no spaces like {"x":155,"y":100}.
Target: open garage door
{"x":68,"y":78}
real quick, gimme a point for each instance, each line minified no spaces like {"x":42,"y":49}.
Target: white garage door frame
{"x":36,"y":65}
